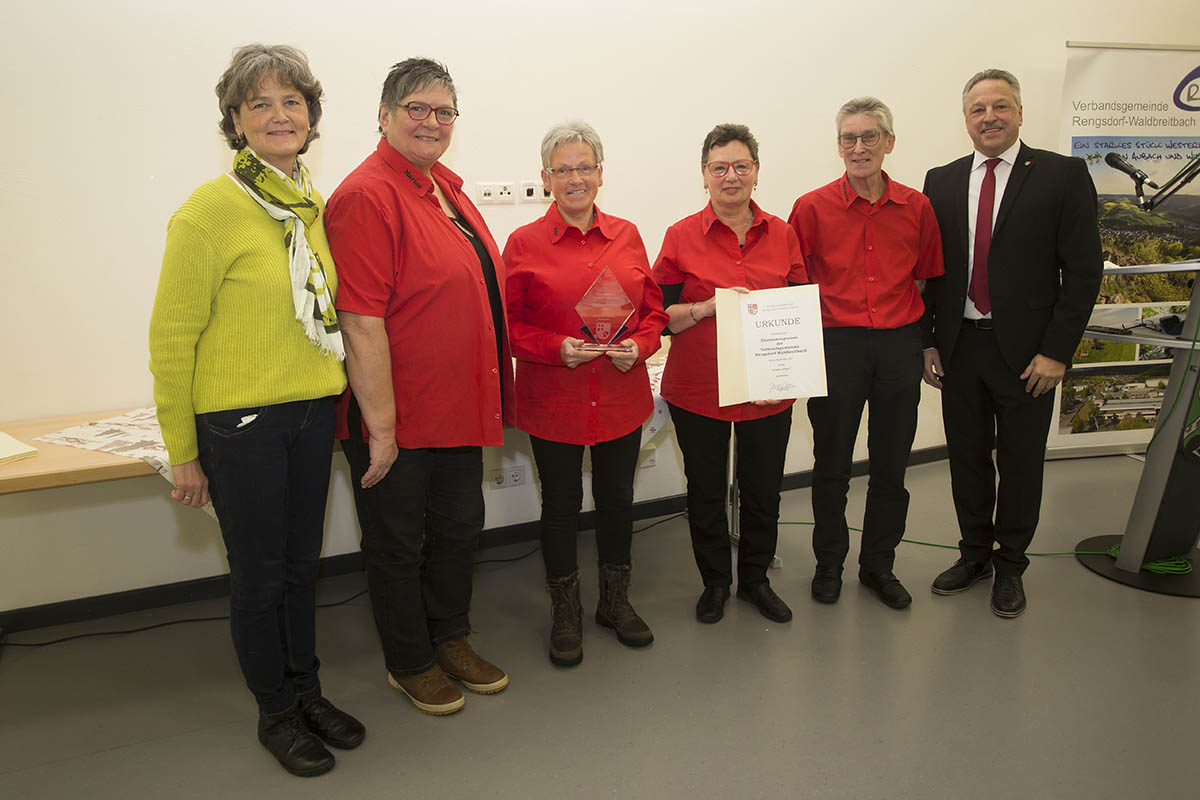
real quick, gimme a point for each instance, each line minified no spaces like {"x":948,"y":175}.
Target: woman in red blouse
{"x":569,"y":396}
{"x":421,"y":300}
{"x":730,"y":243}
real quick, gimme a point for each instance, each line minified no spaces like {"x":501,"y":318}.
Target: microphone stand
{"x":1178,"y":181}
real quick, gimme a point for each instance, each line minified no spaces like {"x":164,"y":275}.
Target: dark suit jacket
{"x":1043,"y":266}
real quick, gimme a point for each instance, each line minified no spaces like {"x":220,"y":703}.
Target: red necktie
{"x":978,"y":291}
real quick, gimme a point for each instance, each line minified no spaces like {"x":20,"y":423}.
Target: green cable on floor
{"x":1175,"y":565}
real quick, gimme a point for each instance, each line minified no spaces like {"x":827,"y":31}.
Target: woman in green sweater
{"x":247,"y":360}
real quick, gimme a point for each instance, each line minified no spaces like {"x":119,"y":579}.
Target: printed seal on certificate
{"x":605,"y":309}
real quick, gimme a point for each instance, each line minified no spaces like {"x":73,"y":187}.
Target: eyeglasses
{"x":585,"y":171}
{"x":419,"y":111}
{"x":848,"y":141}
{"x":719,"y":169}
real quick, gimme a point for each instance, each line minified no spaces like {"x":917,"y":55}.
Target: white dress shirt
{"x":974,"y":185}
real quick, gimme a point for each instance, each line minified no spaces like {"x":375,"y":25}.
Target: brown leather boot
{"x":566,"y":627}
{"x":614,"y":611}
{"x":469,"y":668}
{"x":431,"y":691}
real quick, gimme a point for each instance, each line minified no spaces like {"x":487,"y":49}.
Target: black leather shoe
{"x":711,"y":606}
{"x":887,"y":587}
{"x":765,"y":600}
{"x":827,"y":584}
{"x":962,"y":576}
{"x":286,"y":738}
{"x":1008,"y":596}
{"x":334,"y":727}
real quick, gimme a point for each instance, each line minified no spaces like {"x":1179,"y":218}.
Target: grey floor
{"x":1091,"y":694}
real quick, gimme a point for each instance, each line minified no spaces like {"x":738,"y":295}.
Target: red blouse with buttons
{"x":702,"y":253}
{"x":401,"y":258}
{"x":868,"y":257}
{"x":550,"y":266}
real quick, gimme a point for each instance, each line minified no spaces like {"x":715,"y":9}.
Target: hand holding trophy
{"x":604,"y":309}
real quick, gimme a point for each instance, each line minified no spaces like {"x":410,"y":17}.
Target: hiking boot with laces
{"x":466,"y":666}
{"x":614,"y":611}
{"x":431,"y":691}
{"x":566,"y":626}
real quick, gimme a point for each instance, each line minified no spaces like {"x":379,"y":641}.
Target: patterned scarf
{"x":289,"y":200}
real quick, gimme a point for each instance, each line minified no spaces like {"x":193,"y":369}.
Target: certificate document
{"x":769,"y":345}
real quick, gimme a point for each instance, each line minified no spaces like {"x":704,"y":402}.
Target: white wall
{"x":110,"y":122}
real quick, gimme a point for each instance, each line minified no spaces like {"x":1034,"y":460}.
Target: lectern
{"x":1165,"y":518}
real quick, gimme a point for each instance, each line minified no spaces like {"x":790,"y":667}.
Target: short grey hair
{"x":412,"y":75}
{"x":868,"y":106}
{"x":251,"y":65}
{"x":725,"y":133}
{"x":993,"y":74}
{"x":574,"y":131}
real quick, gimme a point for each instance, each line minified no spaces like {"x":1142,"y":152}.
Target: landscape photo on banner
{"x":1134,"y":116}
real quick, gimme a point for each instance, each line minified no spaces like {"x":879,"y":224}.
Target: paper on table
{"x":12,"y":449}
{"x":769,"y":345}
{"x":135,"y":434}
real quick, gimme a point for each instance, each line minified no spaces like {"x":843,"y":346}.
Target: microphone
{"x":1118,"y":162}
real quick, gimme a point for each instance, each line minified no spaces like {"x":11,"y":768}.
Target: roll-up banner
{"x":1133,"y":113}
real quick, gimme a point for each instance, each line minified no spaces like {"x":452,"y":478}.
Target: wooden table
{"x":62,"y":465}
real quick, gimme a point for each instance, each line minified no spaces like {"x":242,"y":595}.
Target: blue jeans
{"x":268,"y":475}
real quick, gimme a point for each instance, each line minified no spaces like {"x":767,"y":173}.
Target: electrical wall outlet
{"x":532,"y":192}
{"x":518,"y":475}
{"x":500,"y":193}
{"x":506,"y":477}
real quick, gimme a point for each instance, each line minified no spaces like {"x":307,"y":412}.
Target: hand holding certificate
{"x":769,"y":345}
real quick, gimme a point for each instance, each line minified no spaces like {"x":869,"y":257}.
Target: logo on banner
{"x":1187,"y":93}
{"x":752,"y":308}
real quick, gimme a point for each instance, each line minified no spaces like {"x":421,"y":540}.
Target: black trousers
{"x":560,"y":470}
{"x":761,"y":449}
{"x":420,"y":527}
{"x":881,"y":368}
{"x":268,"y":474}
{"x":985,"y":406}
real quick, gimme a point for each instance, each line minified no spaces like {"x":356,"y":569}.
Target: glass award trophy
{"x":604,"y":309}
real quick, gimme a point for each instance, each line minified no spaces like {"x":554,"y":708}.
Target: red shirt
{"x":702,"y":253}
{"x":401,"y":258}
{"x":550,"y":266}
{"x":867,"y":257}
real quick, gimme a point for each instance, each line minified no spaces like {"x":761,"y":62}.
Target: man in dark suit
{"x":1022,"y":256}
